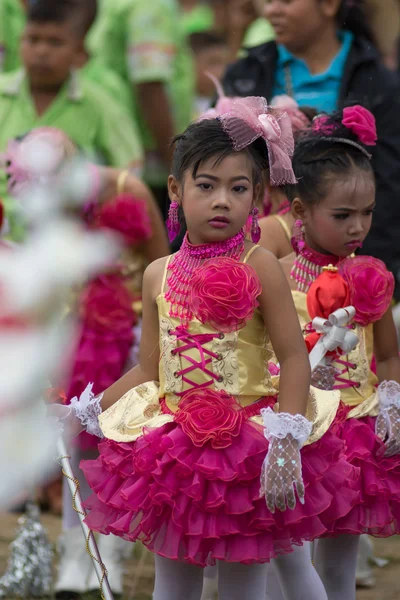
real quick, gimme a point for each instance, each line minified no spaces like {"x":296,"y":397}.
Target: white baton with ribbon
{"x":91,"y":546}
{"x":335,"y":335}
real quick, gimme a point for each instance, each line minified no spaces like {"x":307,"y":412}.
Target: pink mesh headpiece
{"x":249,"y":119}
{"x":289,"y":105}
{"x":223,"y":104}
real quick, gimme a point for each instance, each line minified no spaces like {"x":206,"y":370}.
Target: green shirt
{"x":101,"y":128}
{"x":200,"y":18}
{"x":143,"y":41}
{"x":12,"y":23}
{"x":259,"y":32}
{"x":110,"y":82}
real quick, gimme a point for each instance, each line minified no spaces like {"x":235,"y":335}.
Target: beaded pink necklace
{"x":309,"y":264}
{"x":186,"y":262}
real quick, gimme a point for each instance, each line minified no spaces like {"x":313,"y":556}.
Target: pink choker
{"x":308,"y":265}
{"x":186,"y":262}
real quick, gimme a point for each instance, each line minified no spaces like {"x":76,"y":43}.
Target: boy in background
{"x":49,"y":91}
{"x":144,"y":42}
{"x":210,"y":52}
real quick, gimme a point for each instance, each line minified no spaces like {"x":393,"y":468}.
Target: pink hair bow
{"x":249,"y":119}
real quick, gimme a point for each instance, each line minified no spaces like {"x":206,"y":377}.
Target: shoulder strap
{"x":250,"y":252}
{"x":164,"y":279}
{"x":284,"y":226}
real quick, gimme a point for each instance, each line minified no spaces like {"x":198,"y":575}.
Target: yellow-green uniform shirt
{"x":143,"y":41}
{"x":98,"y":125}
{"x":12,"y":23}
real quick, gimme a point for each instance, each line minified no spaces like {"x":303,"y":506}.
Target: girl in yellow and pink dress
{"x":198,"y":453}
{"x":333,"y":201}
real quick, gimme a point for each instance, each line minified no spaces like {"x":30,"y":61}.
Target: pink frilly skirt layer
{"x":378,"y":510}
{"x":202,"y":504}
{"x":105,"y":342}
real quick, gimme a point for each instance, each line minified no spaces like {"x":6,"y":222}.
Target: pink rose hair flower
{"x":362,"y":123}
{"x":207,"y":416}
{"x":322,"y":124}
{"x":224,"y":293}
{"x":371,"y":287}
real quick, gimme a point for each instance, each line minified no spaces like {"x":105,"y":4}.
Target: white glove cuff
{"x":87,"y":409}
{"x":280,"y":425}
{"x":389,"y":394}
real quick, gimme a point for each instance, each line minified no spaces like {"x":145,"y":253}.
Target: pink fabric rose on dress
{"x":362,"y":123}
{"x":107,"y":306}
{"x":128,"y":216}
{"x":224,"y":293}
{"x":371,"y":287}
{"x":209,"y":416}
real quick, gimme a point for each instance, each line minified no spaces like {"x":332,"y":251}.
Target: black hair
{"x":81,"y":12}
{"x":206,"y":139}
{"x":205,"y":39}
{"x":89,"y":14}
{"x":352,"y":17}
{"x":318,"y":159}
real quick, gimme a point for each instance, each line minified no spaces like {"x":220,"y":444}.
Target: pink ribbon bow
{"x":249,"y":119}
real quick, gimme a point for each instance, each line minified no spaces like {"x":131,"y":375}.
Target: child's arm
{"x":386,"y":349}
{"x":287,"y":431}
{"x":281,"y":321}
{"x":147,"y":369}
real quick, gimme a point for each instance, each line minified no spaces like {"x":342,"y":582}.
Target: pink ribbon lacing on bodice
{"x":196,"y":341}
{"x":343,"y":382}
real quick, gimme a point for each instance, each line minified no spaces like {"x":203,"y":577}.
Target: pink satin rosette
{"x":207,"y":416}
{"x":371,"y":287}
{"x":224,"y":294}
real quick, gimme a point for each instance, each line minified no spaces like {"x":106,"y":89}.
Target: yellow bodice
{"x":362,"y":395}
{"x":236,"y":362}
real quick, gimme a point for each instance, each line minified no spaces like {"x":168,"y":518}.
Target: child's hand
{"x":387,"y":426}
{"x":281,"y":475}
{"x":70,"y":425}
{"x":323,"y":377}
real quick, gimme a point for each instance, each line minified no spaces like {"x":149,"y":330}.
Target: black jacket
{"x":365,"y":81}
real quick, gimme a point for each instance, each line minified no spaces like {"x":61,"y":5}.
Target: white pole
{"x":91,"y":546}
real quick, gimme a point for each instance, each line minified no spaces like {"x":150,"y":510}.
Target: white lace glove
{"x":281,"y":473}
{"x":324,"y":377}
{"x":387,"y":425}
{"x":79,"y":415}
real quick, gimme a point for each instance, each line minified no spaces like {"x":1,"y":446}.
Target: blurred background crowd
{"x":122,"y":77}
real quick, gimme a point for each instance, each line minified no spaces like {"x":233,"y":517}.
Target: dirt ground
{"x":140,"y":571}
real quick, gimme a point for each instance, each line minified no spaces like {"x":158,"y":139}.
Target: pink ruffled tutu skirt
{"x":378,"y":510}
{"x":200,"y":502}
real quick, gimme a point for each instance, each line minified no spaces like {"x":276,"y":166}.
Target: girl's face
{"x":218,"y":200}
{"x":298,"y":22}
{"x":340,"y":223}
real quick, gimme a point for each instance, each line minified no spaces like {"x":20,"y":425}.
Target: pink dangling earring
{"x":173,"y":225}
{"x":255,"y":226}
{"x":298,"y":242}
